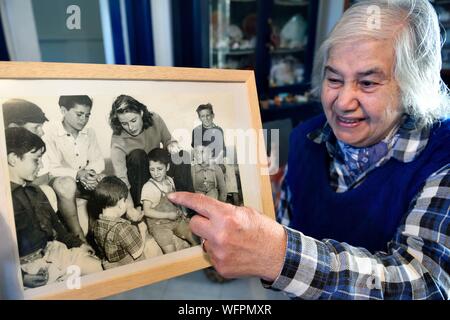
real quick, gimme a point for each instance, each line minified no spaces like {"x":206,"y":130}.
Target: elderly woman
{"x":137,"y":131}
{"x":367,"y":192}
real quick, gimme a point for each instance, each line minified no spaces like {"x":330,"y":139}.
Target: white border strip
{"x":20,"y":30}
{"x":107,"y":32}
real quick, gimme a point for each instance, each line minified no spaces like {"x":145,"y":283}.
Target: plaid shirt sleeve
{"x":131,"y":241}
{"x":284,"y":210}
{"x":416,"y":266}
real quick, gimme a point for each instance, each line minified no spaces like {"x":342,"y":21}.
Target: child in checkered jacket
{"x":119,"y":241}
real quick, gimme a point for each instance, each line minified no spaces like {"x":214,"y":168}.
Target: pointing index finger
{"x":206,"y":206}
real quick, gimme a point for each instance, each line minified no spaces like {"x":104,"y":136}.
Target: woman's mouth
{"x":349,"y":122}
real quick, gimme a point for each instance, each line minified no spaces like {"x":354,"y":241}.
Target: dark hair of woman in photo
{"x":124,"y":104}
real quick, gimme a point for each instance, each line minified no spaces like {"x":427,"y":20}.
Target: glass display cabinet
{"x":232,"y":36}
{"x":275,"y":38}
{"x":443,"y":10}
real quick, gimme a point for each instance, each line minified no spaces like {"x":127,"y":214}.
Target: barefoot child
{"x":164,"y":219}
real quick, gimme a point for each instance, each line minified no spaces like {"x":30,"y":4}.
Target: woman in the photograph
{"x":137,"y":131}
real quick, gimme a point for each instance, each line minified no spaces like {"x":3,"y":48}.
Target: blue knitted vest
{"x":368,"y":215}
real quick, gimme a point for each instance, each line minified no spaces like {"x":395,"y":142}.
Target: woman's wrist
{"x":275,"y":252}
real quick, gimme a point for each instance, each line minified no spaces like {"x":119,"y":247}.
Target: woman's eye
{"x":334,"y":81}
{"x":368,"y":83}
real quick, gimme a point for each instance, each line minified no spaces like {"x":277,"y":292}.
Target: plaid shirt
{"x":417,"y":263}
{"x":119,"y":240}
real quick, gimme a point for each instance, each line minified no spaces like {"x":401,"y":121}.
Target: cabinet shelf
{"x":234,"y":52}
{"x":240,"y":52}
{"x":291,"y":3}
{"x":298,"y":88}
{"x":287,"y":51}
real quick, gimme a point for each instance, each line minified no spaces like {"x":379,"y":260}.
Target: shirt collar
{"x":14,"y":185}
{"x":111,"y":219}
{"x":212,"y":127}
{"x":200,"y":167}
{"x":410,"y":140}
{"x":60,"y":131}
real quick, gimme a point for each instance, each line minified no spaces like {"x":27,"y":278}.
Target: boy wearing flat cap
{"x":25,"y":114}
{"x":20,"y":113}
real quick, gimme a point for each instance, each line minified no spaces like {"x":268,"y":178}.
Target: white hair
{"x":414,"y":28}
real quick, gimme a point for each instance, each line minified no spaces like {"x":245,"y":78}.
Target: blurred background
{"x":275,"y":38}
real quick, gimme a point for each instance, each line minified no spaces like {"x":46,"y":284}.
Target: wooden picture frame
{"x":35,"y":79}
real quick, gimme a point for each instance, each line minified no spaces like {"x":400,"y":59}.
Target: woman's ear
{"x":168,"y":167}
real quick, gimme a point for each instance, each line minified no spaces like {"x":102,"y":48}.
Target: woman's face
{"x":360,"y":95}
{"x":131,"y":122}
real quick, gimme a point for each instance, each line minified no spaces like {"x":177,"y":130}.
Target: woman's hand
{"x":173,"y":147}
{"x":239,"y":241}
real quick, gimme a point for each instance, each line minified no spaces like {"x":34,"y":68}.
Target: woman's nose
{"x":347,"y":99}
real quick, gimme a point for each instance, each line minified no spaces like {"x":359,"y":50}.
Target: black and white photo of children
{"x":90,"y":171}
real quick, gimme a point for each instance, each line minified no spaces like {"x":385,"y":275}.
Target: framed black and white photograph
{"x":89,"y":154}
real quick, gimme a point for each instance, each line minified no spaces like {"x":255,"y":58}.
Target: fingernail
{"x":171,"y":196}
